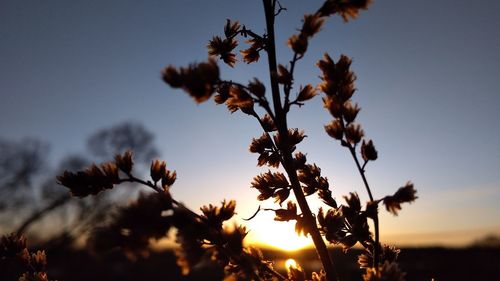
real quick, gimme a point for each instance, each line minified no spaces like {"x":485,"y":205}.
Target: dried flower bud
{"x":158,"y":170}
{"x":350,"y":111}
{"x":404,"y":194}
{"x":321,"y":276}
{"x":368,"y":151}
{"x":284,"y":77}
{"x":240,"y":99}
{"x":281,"y":195}
{"x":222,"y":93}
{"x":290,"y":213}
{"x":354,"y":133}
{"x":348,"y":242}
{"x":386,"y":271}
{"x":306,"y":93}
{"x":337,"y":79}
{"x":38,"y":260}
{"x":268,"y":123}
{"x":257,"y":88}
{"x":372,"y":209}
{"x":234,"y":238}
{"x":334,"y":129}
{"x":12,"y":245}
{"x":326,"y":196}
{"x":268,"y":182}
{"x":250,"y":55}
{"x":332,"y":224}
{"x":111,"y":171}
{"x":311,"y":24}
{"x":334,"y":105}
{"x":353,"y":201}
{"x":215,"y":216}
{"x":326,"y":65}
{"x":231,"y":28}
{"x":34,"y":276}
{"x":198,"y":80}
{"x":343,"y":64}
{"x":261,"y":144}
{"x":299,"y":160}
{"x":296,"y":273}
{"x":295,"y":136}
{"x":172,"y":77}
{"x":168,"y":179}
{"x":83,"y":183}
{"x":298,"y":43}
{"x":274,"y":159}
{"x":223,"y":48}
{"x":124,"y":162}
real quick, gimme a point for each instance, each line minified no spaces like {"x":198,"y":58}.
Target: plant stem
{"x":375,"y":219}
{"x":285,"y":148}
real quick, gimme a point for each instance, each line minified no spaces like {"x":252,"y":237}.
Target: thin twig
{"x":375,"y":219}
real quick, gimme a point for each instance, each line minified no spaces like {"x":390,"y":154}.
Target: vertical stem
{"x":375,"y":220}
{"x":281,"y":124}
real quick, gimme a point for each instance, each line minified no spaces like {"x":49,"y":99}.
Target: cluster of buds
{"x":297,"y":273}
{"x":347,"y":224}
{"x":159,"y":172}
{"x":238,"y":97}
{"x":387,"y":254}
{"x":133,"y":227}
{"x":206,"y":237}
{"x":199,"y":80}
{"x":312,"y":181}
{"x":271,"y":184}
{"x":405,"y":194}
{"x":14,"y":247}
{"x":311,"y":25}
{"x":338,"y":86}
{"x":385,"y":271}
{"x":94,"y":179}
{"x":264,"y":146}
{"x":224,"y":47}
{"x":215,"y":216}
{"x":252,"y":54}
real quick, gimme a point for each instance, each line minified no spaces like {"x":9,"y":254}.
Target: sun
{"x":280,"y":235}
{"x":290,"y":263}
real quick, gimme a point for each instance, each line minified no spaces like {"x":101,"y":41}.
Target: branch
{"x":375,"y":219}
{"x":281,"y":124}
{"x":42,"y":212}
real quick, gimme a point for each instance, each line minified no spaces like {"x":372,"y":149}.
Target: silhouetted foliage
{"x":207,"y":237}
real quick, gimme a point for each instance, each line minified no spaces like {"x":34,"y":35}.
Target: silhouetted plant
{"x":13,"y":248}
{"x":205,"y":237}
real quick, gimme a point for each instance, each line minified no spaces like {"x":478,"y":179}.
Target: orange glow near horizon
{"x":279,"y":235}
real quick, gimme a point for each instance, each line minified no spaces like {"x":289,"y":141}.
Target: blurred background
{"x":80,"y":81}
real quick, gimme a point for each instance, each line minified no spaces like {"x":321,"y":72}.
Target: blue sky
{"x":428,"y":80}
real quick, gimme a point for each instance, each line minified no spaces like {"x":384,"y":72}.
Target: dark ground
{"x":421,"y":264}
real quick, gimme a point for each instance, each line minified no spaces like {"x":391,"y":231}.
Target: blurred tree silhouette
{"x":28,"y":197}
{"x":21,"y":162}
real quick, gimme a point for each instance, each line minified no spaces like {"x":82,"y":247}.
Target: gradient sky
{"x":428,"y":79}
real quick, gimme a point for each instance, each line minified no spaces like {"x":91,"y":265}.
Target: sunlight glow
{"x":281,"y":235}
{"x":290,"y":263}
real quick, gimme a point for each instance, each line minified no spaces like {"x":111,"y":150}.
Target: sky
{"x":428,"y":80}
